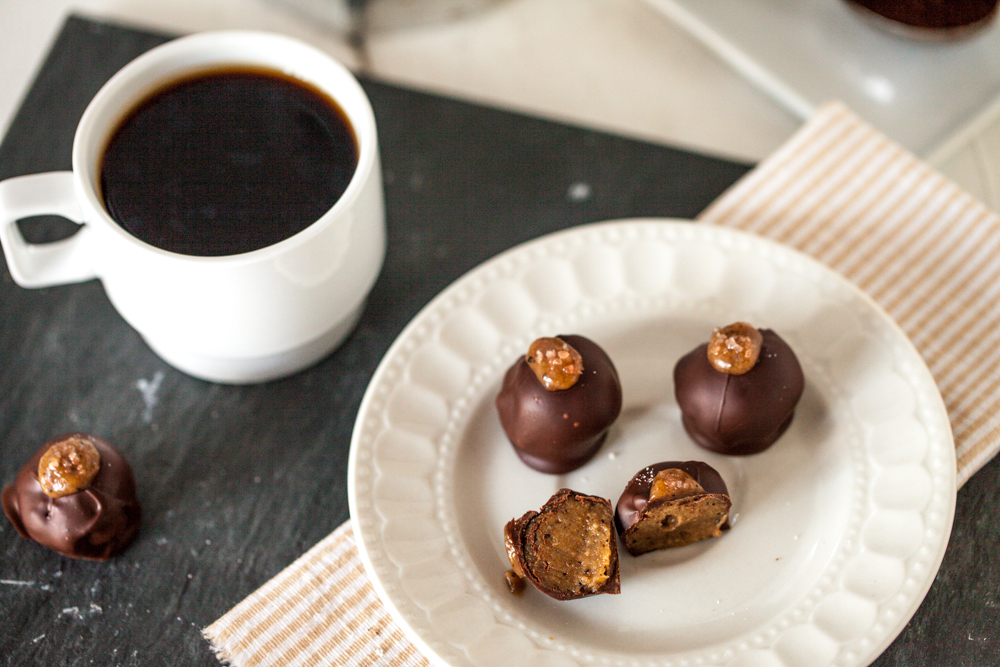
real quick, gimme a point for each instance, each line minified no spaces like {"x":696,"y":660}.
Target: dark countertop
{"x":237,"y":482}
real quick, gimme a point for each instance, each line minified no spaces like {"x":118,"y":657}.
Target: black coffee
{"x":227,"y":162}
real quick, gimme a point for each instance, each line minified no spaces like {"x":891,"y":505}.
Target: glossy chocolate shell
{"x":559,"y":431}
{"x":94,"y":523}
{"x":739,"y":414}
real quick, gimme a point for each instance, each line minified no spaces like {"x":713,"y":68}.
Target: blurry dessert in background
{"x":936,"y":20}
{"x":362,"y":16}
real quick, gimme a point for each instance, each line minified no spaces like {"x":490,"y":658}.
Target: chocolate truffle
{"x":555,"y":429}
{"x":75,"y":496}
{"x":567,"y":549}
{"x":672,"y":504}
{"x":738,"y":413}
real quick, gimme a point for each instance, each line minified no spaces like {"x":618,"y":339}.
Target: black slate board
{"x":236,"y":482}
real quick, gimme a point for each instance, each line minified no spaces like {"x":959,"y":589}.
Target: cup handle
{"x":44,"y":264}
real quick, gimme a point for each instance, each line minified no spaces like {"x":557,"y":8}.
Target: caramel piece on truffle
{"x":567,"y":549}
{"x":734,"y":349}
{"x":556,"y":364}
{"x":93,"y":514}
{"x":68,"y":466}
{"x":672,"y":504}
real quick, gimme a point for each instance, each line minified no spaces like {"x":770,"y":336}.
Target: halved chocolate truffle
{"x":567,"y":549}
{"x":741,"y":413}
{"x":555,"y":429}
{"x":672,"y":504}
{"x":75,"y":496}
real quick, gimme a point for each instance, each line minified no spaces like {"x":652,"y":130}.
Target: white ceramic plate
{"x":806,"y":52}
{"x":838,"y":529}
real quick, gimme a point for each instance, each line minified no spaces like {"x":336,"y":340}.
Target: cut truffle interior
{"x":676,"y":523}
{"x":567,"y":549}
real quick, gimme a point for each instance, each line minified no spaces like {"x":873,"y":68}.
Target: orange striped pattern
{"x":924,"y":249}
{"x":320,"y":610}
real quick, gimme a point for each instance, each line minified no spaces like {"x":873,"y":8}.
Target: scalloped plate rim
{"x":366,"y":545}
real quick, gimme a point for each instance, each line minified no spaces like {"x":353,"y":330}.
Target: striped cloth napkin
{"x":925,"y":250}
{"x":320,"y":610}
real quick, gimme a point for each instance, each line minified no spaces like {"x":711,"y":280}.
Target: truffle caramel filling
{"x":673,"y":483}
{"x":569,"y":547}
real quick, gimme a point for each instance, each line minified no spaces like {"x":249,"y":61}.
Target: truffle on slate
{"x":738,"y":392}
{"x":567,"y":549}
{"x":557,"y":402}
{"x":672,"y":504}
{"x":75,"y":496}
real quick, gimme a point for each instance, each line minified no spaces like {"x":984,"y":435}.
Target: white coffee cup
{"x":239,"y":318}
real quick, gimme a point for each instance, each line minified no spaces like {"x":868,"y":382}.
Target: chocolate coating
{"x":739,"y":414}
{"x":635,"y":497}
{"x":558,"y":431}
{"x":94,"y":523}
